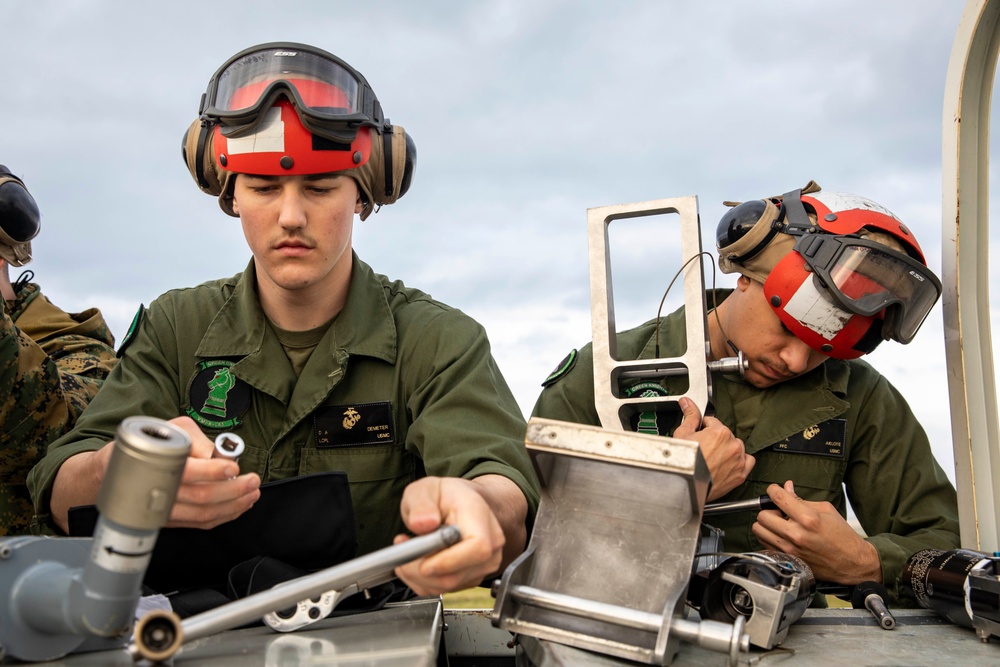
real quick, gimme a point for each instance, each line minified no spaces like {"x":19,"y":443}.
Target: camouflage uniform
{"x":52,"y":364}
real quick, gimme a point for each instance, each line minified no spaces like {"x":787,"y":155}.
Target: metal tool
{"x":960,"y":584}
{"x":228,"y":446}
{"x":872,"y":595}
{"x":611,"y":551}
{"x":159,"y":634}
{"x":613,"y":407}
{"x":752,"y":505}
{"x":619,"y":519}
{"x":61,"y":595}
{"x":769,"y":588}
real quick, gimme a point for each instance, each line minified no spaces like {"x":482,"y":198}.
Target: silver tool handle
{"x":357,"y":574}
{"x":752,"y":505}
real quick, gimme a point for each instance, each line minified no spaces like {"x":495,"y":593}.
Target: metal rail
{"x":965,"y":261}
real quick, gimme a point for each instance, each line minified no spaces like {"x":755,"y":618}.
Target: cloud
{"x":525,"y":115}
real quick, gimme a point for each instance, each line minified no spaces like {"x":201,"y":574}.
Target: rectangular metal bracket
{"x":614,"y":409}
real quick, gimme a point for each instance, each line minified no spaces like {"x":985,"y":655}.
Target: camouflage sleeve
{"x":44,"y":389}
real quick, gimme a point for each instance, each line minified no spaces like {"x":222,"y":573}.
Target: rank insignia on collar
{"x":217,"y":398}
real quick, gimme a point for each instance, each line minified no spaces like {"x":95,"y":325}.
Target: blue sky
{"x":525,"y":114}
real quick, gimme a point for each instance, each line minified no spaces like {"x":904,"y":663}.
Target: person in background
{"x":51,"y":365}
{"x":824,"y":278}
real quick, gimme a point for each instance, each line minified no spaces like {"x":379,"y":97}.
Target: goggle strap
{"x":204,"y":139}
{"x":796,"y":219}
{"x":375,"y":112}
{"x":387,"y":157}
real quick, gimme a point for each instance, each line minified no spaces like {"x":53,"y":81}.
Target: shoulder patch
{"x":133,"y":329}
{"x":565,"y":366}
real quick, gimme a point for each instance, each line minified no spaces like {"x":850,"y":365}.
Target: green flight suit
{"x":840,"y":425}
{"x":51,"y":365}
{"x":399,"y":387}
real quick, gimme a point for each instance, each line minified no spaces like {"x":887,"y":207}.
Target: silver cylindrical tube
{"x":79,"y":589}
{"x":136,"y":497}
{"x":144,"y":473}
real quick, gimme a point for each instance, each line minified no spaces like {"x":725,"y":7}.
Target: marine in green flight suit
{"x":832,"y":425}
{"x":416,"y":376}
{"x":316,"y":362}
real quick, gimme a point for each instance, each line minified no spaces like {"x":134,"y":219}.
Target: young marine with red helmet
{"x":318,"y":363}
{"x":824,"y":278}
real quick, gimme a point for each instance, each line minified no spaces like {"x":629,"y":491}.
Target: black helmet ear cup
{"x":196,"y":149}
{"x":738,"y":221}
{"x":409,"y":164}
{"x":19,"y":215}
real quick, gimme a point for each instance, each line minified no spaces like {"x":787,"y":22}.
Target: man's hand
{"x":210,"y":493}
{"x":724,"y":453}
{"x":819,"y":535}
{"x":469,"y":505}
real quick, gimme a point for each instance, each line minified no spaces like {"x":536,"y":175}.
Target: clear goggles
{"x":866,"y":277}
{"x":331,"y":97}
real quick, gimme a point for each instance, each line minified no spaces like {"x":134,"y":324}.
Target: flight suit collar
{"x":237,"y":330}
{"x":786,"y":408}
{"x":778,"y":411}
{"x":364,"y":326}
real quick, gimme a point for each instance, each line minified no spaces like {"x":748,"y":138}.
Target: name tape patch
{"x":828,"y":438}
{"x":353,"y":425}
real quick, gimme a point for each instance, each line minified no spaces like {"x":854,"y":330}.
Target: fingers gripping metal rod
{"x":368,"y":570}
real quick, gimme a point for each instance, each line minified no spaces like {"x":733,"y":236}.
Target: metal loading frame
{"x":610,"y":556}
{"x":613,"y":408}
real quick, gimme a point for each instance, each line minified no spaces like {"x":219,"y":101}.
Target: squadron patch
{"x":565,"y":366}
{"x":352,"y":425}
{"x":217,"y":398}
{"x":133,"y":329}
{"x":828,"y":438}
{"x":645,"y":422}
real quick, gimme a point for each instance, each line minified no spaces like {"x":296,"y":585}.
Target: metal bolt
{"x":5,"y":551}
